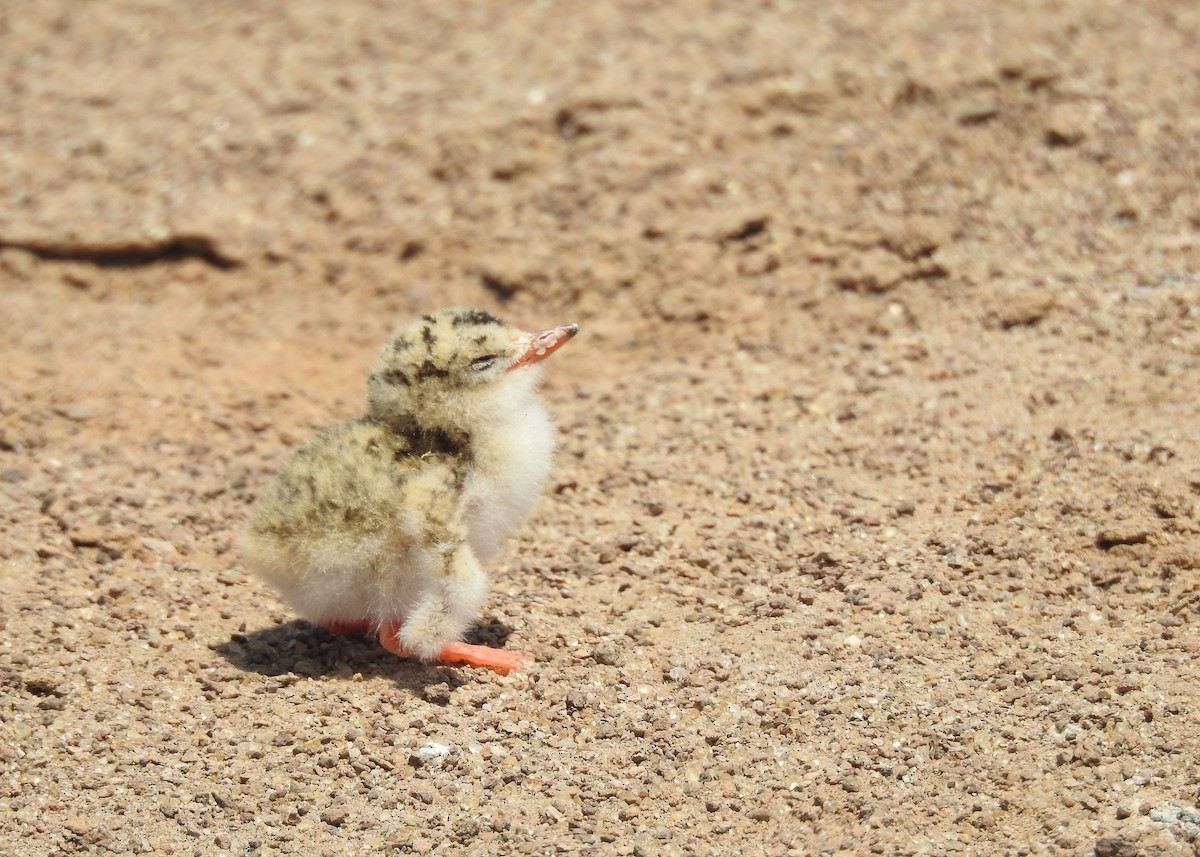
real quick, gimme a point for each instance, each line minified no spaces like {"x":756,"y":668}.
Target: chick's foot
{"x":502,"y":661}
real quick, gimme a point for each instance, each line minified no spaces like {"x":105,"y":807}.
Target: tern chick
{"x":381,"y":524}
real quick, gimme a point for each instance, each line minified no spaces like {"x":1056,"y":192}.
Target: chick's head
{"x":457,"y":369}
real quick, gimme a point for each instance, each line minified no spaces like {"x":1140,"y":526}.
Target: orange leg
{"x":502,"y":661}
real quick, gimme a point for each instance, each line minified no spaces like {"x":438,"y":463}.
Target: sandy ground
{"x":874,"y":527}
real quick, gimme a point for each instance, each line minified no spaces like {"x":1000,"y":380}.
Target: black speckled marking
{"x":401,"y":343}
{"x":474,"y":317}
{"x":396,"y":377}
{"x":428,"y":336}
{"x":429,"y":370}
{"x":418,"y":442}
{"x":446,"y":442}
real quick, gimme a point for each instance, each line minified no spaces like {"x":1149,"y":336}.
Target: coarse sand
{"x":874,"y":527}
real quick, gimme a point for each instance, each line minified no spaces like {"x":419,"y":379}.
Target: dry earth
{"x":875,"y":526}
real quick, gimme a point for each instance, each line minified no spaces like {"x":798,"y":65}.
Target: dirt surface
{"x":875,"y":523}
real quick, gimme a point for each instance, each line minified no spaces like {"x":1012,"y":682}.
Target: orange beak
{"x":544,"y":343}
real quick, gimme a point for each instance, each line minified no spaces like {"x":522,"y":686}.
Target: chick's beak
{"x":544,"y":343}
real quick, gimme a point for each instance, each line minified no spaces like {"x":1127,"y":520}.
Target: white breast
{"x":512,"y":461}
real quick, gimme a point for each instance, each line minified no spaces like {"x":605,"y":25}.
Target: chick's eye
{"x":479,"y":364}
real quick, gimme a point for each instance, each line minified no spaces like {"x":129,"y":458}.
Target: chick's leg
{"x":434,"y":628}
{"x":502,"y":661}
{"x":450,"y":598}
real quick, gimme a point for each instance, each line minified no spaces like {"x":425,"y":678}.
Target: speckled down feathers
{"x":388,"y":516}
{"x":340,"y":484}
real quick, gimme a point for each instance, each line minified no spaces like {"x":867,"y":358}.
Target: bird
{"x":382,"y":524}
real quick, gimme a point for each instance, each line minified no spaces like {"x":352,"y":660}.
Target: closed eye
{"x":480,"y":364}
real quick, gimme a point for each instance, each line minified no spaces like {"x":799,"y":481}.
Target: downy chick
{"x":380,"y":525}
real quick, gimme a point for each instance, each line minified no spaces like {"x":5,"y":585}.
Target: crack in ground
{"x":129,"y":255}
